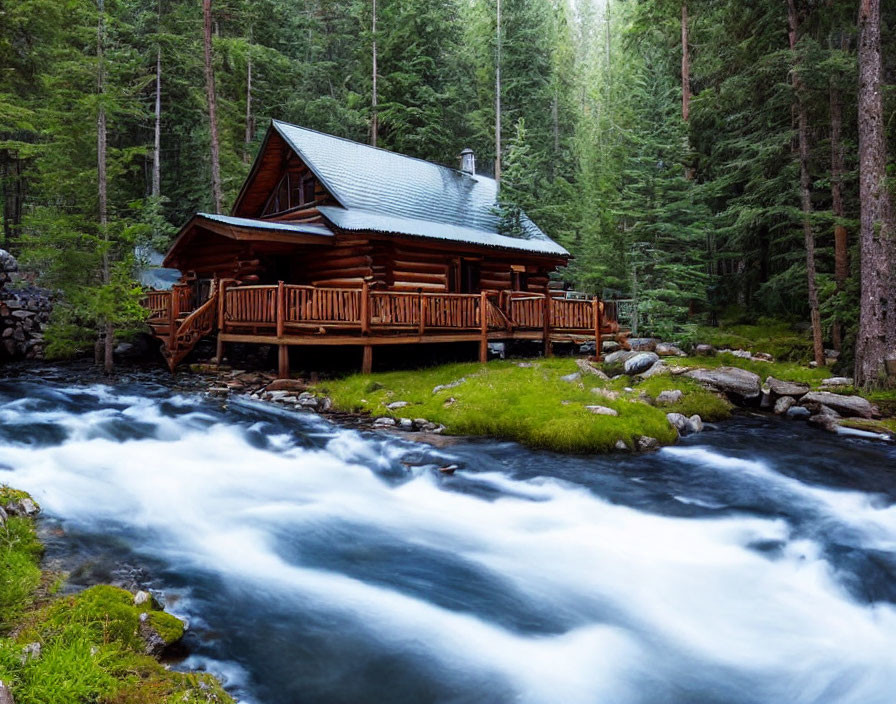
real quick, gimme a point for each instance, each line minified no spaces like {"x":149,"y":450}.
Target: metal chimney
{"x":468,"y":161}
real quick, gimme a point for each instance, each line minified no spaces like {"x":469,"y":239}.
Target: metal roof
{"x":388,"y":192}
{"x":297,"y":227}
{"x":357,"y":219}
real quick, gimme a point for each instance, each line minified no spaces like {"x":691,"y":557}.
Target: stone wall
{"x":24,"y":312}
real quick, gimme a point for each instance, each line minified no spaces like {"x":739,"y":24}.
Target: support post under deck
{"x":367,"y":359}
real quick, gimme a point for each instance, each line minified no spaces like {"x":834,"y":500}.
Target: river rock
{"x":669,"y":397}
{"x":763,"y":357}
{"x":845,"y":405}
{"x":384,"y":422}
{"x":837,"y":381}
{"x":405,"y":424}
{"x":646,"y":443}
{"x":703,"y":350}
{"x":642,"y":344}
{"x":287,"y":385}
{"x":657,"y":369}
{"x":619,"y":356}
{"x":640,"y":363}
{"x":5,"y":691}
{"x":696,"y":423}
{"x":798,"y":413}
{"x":397,"y":404}
{"x":23,"y":507}
{"x":587,"y":368}
{"x":142,"y":597}
{"x":826,"y":418}
{"x":783,"y":404}
{"x":729,"y":380}
{"x":609,"y":346}
{"x":679,"y":421}
{"x":601,"y":411}
{"x":620,"y":445}
{"x":664,"y":349}
{"x":786,"y":388}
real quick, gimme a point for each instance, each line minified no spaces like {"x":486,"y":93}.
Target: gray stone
{"x":6,"y":694}
{"x":642,"y":344}
{"x":640,"y":363}
{"x":704,"y":350}
{"x":608,"y":394}
{"x":763,"y":357}
{"x":786,"y":388}
{"x":730,"y":380}
{"x":601,"y":411}
{"x":646,"y":443}
{"x":696,"y":423}
{"x":657,"y":369}
{"x":22,"y":507}
{"x":845,"y":405}
{"x":679,"y":421}
{"x":783,"y":404}
{"x":8,"y":262}
{"x":798,"y":413}
{"x":837,"y":381}
{"x":142,"y":597}
{"x":664,"y":349}
{"x":458,"y":382}
{"x":22,"y":314}
{"x":609,"y":346}
{"x":587,"y":368}
{"x":621,"y":446}
{"x":3,"y":517}
{"x":325,"y":404}
{"x":405,"y":424}
{"x":384,"y":421}
{"x":619,"y":356}
{"x":397,"y":404}
{"x":669,"y":397}
{"x":571,"y":378}
{"x":826,"y":419}
{"x":765,"y":401}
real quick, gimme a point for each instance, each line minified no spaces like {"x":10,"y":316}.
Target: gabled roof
{"x":305,"y":228}
{"x":383,"y":191}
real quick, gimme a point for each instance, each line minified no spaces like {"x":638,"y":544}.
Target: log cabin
{"x":332,"y":242}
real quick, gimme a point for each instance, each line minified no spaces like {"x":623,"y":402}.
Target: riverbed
{"x":752,"y":563}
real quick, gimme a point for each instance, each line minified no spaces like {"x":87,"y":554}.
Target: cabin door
{"x":465,"y":276}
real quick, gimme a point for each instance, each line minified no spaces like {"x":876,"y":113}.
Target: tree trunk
{"x":805,"y":197}
{"x":212,"y":106}
{"x":876,"y":226}
{"x":250,"y":127}
{"x":374,"y":117}
{"x":841,"y":253}
{"x":685,"y":66}
{"x":108,"y":330}
{"x":157,"y":135}
{"x":498,"y":94}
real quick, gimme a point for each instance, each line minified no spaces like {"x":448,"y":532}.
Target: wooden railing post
{"x":422,"y":312}
{"x":548,"y":349}
{"x":219,"y":348}
{"x":282,"y":349}
{"x":365,"y":308}
{"x":173,"y":312}
{"x":598,"y":346}
{"x":483,"y":327}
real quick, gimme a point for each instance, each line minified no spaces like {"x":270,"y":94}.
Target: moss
{"x":7,"y":495}
{"x":91,"y":648}
{"x":775,"y":337}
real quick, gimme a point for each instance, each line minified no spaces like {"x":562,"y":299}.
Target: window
{"x":293,"y":191}
{"x":465,"y":276}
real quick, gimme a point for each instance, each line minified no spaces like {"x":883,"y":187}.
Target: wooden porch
{"x":286,"y":314}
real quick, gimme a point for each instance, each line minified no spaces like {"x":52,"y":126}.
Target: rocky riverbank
{"x":100,"y":645}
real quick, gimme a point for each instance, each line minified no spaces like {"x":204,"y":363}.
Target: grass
{"x":776,"y":337}
{"x":91,"y":648}
{"x":786,"y":371}
{"x":886,"y":426}
{"x":532,"y":404}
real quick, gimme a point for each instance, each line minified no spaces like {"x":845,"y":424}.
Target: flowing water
{"x":751,"y":563}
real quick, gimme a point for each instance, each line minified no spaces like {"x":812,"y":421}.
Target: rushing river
{"x":753,"y":563}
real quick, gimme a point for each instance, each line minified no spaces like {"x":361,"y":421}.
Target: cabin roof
{"x":355,"y":219}
{"x":383,"y":191}
{"x":252,"y":223}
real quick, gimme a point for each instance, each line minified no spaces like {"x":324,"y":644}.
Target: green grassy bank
{"x":528,"y":402}
{"x":92,"y":645}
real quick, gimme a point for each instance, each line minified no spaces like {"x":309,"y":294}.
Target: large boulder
{"x":703,"y":350}
{"x":642,"y":344}
{"x":783,"y":404}
{"x":786,"y":388}
{"x":844,"y":405}
{"x":619,"y":356}
{"x":729,"y":380}
{"x":640,"y":363}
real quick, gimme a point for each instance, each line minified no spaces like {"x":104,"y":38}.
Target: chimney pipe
{"x":468,"y":161}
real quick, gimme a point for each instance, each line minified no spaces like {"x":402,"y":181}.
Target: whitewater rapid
{"x":320,"y":564}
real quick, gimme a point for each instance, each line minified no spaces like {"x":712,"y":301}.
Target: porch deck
{"x":286,"y":314}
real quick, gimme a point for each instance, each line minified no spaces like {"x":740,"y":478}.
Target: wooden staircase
{"x":184,"y":334}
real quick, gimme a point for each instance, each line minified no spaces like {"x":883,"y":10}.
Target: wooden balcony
{"x":286,"y":314}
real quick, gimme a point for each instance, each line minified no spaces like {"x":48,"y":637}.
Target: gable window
{"x":293,"y":191}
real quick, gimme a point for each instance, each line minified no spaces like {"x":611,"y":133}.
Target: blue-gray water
{"x":754,"y":563}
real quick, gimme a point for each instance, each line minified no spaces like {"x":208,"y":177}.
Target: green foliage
{"x":19,"y":573}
